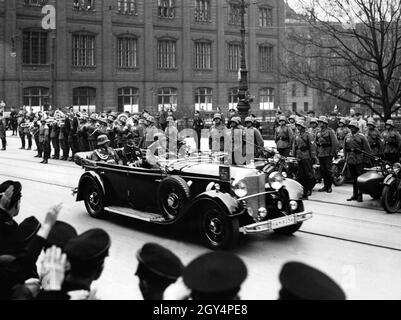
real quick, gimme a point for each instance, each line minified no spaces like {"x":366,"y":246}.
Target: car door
{"x":115,"y":180}
{"x":142,"y":185}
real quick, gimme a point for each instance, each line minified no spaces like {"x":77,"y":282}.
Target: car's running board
{"x":144,"y":216}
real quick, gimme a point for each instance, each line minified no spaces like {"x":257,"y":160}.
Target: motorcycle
{"x":340,"y":170}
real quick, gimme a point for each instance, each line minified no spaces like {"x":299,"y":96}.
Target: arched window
{"x":266,"y":99}
{"x":232,"y":98}
{"x":128,"y":99}
{"x":36,"y":97}
{"x":167,"y":99}
{"x":204,"y":99}
{"x":84,"y":98}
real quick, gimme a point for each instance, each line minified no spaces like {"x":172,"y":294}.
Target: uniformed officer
{"x":354,"y":144}
{"x":198,"y":125}
{"x":327,"y":145}
{"x":82,"y":134}
{"x":215,"y":276}
{"x":63,"y":138}
{"x":302,"y":282}
{"x":292,"y":122}
{"x":73,"y":125}
{"x":21,"y":128}
{"x":375,"y":139}
{"x":27,"y":132}
{"x":171,"y":133}
{"x":342,"y":132}
{"x":284,"y":137}
{"x":104,"y":152}
{"x":3,"y":132}
{"x":44,"y":138}
{"x":111,"y":134}
{"x":157,"y":269}
{"x":131,"y":154}
{"x":392,"y":142}
{"x":253,"y":137}
{"x":305,"y":151}
{"x":92,"y":132}
{"x":235,"y":136}
{"x":217,"y":131}
{"x":313,"y":127}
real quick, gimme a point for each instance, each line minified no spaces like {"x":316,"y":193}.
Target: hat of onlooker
{"x":28,"y":228}
{"x":160,"y":261}
{"x":302,"y":282}
{"x":60,"y":234}
{"x":215,"y":274}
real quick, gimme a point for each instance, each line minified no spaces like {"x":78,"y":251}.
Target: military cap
{"x":249,"y":119}
{"x":102,"y":120}
{"x":390,"y":122}
{"x":313,"y":120}
{"x":217,"y":116}
{"x":372,"y":123}
{"x":170,"y":118}
{"x":110,"y":118}
{"x":60,"y":234}
{"x":301,"y":123}
{"x":323,"y":119}
{"x":103,"y":139}
{"x":93,"y":117}
{"x":90,"y":247}
{"x":160,"y":261}
{"x":28,"y":228}
{"x":237,"y":120}
{"x":114,"y":114}
{"x":282,"y":118}
{"x":354,"y":123}
{"x":215,"y":272}
{"x":150,"y":119}
{"x":302,"y":282}
{"x":343,"y":121}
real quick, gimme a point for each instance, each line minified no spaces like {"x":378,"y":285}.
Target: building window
{"x":234,"y":56}
{"x":294,"y":107}
{"x":166,"y":54}
{"x":234,"y":14}
{"x":128,"y":100}
{"x":266,"y":99}
{"x":204,"y":99}
{"x":294,"y":90}
{"x":84,"y":5}
{"x":35,"y":3}
{"x":167,"y":99}
{"x":203,"y":55}
{"x":127,"y":52}
{"x":126,"y":6}
{"x":34,"y":47}
{"x":202,"y":10}
{"x":306,"y":106}
{"x":166,"y":8}
{"x":265,"y":17}
{"x":84,"y":98}
{"x":83,"y":50}
{"x":305,"y":91}
{"x":265,"y":58}
{"x":233,"y":98}
{"x":36,"y":98}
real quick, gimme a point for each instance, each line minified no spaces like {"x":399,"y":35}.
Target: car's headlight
{"x":276,"y":180}
{"x":240,"y":189}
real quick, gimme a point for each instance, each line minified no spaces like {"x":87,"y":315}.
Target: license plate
{"x":282,"y":222}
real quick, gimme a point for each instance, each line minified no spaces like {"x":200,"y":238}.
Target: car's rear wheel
{"x":217,"y":230}
{"x":94,"y":200}
{"x":290,"y":230}
{"x":173,"y":195}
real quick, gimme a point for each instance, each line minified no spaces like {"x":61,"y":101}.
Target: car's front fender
{"x":294,"y":188}
{"x":226,"y":201}
{"x":89,"y":176}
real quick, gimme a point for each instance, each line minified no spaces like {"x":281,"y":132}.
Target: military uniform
{"x":341,"y":133}
{"x":63,"y":139}
{"x":44,"y":140}
{"x":105,"y":154}
{"x":375,"y":140}
{"x":21,"y":130}
{"x":35,"y":134}
{"x":82,"y":134}
{"x":198,"y":125}
{"x":353,"y":145}
{"x":284,"y":136}
{"x":253,"y":138}
{"x":305,"y":151}
{"x":73,"y":124}
{"x":392,"y":143}
{"x":54,"y":137}
{"x":217,"y":132}
{"x":92,"y":132}
{"x":236,"y":137}
{"x":3,"y":133}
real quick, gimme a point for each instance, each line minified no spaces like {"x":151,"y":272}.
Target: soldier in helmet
{"x":291,"y":122}
{"x":304,"y":149}
{"x":92,"y":132}
{"x":313,"y":127}
{"x":44,"y":138}
{"x":235,"y":135}
{"x":375,"y":139}
{"x":284,"y":136}
{"x":3,"y":132}
{"x":104,"y":152}
{"x":354,"y":144}
{"x":216,"y":138}
{"x":253,"y":137}
{"x":392,"y":142}
{"x":327,"y":145}
{"x":342,"y":132}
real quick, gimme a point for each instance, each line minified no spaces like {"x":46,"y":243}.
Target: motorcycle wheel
{"x":391,"y":200}
{"x":338,"y":178}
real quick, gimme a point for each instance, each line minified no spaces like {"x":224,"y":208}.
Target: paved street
{"x":358,"y":245}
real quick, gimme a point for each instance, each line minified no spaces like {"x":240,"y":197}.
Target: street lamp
{"x":243,"y":103}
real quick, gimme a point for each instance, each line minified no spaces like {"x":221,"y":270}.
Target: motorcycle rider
{"x":284,"y":137}
{"x":392,"y":142}
{"x":353,"y":145}
{"x":327,"y":144}
{"x":375,"y":139}
{"x":304,"y":149}
{"x":342,"y":132}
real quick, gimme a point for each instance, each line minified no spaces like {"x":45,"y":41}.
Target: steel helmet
{"x":354,"y":123}
{"x":248,"y":119}
{"x":313,"y":120}
{"x":323,"y":119}
{"x":282,"y":118}
{"x":217,"y":116}
{"x":372,"y":123}
{"x":301,"y":123}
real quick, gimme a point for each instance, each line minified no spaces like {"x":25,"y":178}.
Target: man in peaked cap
{"x":302,"y":282}
{"x":86,"y":254}
{"x":157,"y":269}
{"x":215,"y":275}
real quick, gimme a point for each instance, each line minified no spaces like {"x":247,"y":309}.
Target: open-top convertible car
{"x":224,"y":201}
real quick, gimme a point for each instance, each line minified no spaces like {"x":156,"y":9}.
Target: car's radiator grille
{"x":256,"y":184}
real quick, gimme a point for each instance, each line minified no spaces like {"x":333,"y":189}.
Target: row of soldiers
{"x":317,"y":142}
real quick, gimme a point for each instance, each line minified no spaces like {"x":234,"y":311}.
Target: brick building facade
{"x":136,"y":54}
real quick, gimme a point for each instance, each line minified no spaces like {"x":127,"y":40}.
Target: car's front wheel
{"x":290,"y":230}
{"x":94,"y":200}
{"x":217,"y":230}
